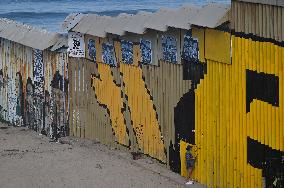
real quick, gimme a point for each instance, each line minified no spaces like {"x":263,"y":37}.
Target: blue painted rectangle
{"x":92,"y":49}
{"x":127,"y":52}
{"x":169,"y":45}
{"x":190,"y":48}
{"x":108,"y":54}
{"x":146,"y":51}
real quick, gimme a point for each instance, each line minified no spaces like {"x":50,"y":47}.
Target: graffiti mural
{"x":30,"y":104}
{"x":184,"y":111}
{"x":247,"y":102}
{"x":146,"y":51}
{"x":142,"y":113}
{"x":59,"y":125}
{"x":264,"y":87}
{"x":134,"y":119}
{"x":113,"y":103}
{"x":28,"y":95}
{"x":39,"y":90}
{"x":12,"y":99}
{"x":56,"y":100}
{"x":20,"y":98}
{"x":2,"y":93}
{"x":129,"y":116}
{"x":231,"y":113}
{"x":3,"y":96}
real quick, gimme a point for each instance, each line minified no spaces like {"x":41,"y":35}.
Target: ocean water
{"x":49,"y":14}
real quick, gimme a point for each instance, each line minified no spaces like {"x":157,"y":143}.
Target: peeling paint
{"x":34,"y":88}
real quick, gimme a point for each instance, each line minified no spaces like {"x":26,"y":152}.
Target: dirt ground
{"x":29,"y":160}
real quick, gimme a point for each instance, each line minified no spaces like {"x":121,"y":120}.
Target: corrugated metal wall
{"x":129,"y":105}
{"x":118,"y":104}
{"x":34,"y":88}
{"x":258,"y":50}
{"x":226,"y":125}
{"x":228,"y":103}
{"x":261,"y":20}
{"x":231,"y":111}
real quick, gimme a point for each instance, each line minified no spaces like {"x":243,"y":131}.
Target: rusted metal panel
{"x":96,"y":123}
{"x":265,"y":2}
{"x":262,"y":20}
{"x":34,"y":88}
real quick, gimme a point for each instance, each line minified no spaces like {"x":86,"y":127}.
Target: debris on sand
{"x":136,"y":155}
{"x":99,"y":166}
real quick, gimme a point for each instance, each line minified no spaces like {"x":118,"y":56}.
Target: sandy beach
{"x":30,"y":160}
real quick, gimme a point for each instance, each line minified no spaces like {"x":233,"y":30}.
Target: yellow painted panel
{"x":136,"y":54}
{"x":143,"y":115}
{"x":183,"y":146}
{"x":99,"y":49}
{"x":109,"y":94}
{"x":118,"y":55}
{"x":222,"y":122}
{"x":218,"y":46}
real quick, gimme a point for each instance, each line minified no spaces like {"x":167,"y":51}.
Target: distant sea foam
{"x":49,"y":14}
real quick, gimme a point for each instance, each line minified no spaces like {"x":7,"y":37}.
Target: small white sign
{"x":76,"y":44}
